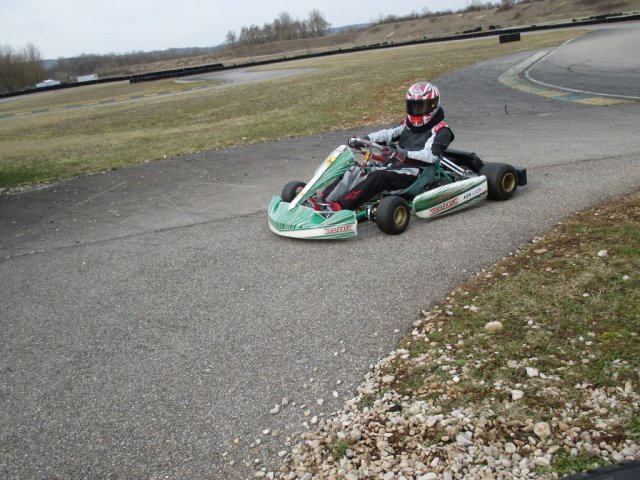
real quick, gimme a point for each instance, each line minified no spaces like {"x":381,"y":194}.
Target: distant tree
{"x":506,"y":5}
{"x":231,"y":38}
{"x":67,"y":69}
{"x":20,"y":69}
{"x":318,"y":26}
{"x":284,"y":27}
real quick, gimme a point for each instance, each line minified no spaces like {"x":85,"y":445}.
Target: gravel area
{"x":405,"y":438}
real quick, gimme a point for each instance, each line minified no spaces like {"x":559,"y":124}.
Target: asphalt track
{"x":150,"y":318}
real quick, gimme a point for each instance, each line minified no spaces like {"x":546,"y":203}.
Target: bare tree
{"x":20,"y":69}
{"x":318,"y":26}
{"x":286,"y":26}
{"x":231,"y":38}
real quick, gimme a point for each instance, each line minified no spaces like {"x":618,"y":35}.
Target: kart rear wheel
{"x":392,"y":215}
{"x":292,"y":189}
{"x":502,"y":180}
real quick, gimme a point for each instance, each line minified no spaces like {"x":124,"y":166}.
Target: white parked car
{"x":47,"y":83}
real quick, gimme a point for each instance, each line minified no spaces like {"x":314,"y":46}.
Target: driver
{"x":417,"y":143}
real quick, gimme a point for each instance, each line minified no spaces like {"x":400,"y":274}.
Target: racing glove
{"x":438,"y":149}
{"x":392,"y":152}
{"x":401,"y":154}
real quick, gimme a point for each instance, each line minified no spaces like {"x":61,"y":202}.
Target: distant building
{"x":87,"y":78}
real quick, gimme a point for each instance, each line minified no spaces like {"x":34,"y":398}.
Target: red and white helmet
{"x":423,"y":99}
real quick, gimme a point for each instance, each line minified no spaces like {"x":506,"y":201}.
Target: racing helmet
{"x":423,"y":99}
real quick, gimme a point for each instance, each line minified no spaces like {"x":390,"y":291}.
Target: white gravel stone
{"x":517,"y":394}
{"x":542,"y":430}
{"x":618,"y":457}
{"x":388,"y":379}
{"x":428,"y":476}
{"x":463,"y":441}
{"x":494,"y":326}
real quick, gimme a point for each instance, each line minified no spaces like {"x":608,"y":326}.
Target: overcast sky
{"x":67,"y":28}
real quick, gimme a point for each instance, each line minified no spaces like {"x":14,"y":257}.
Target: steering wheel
{"x":375,"y":151}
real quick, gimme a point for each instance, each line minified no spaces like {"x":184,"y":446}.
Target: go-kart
{"x":458,"y":180}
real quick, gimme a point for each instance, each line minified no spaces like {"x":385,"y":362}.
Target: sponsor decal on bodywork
{"x":443,"y":206}
{"x":340,"y":229}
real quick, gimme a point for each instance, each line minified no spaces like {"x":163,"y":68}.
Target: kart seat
{"x":427,"y":175}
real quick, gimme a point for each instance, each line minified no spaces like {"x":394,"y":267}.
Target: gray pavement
{"x":605,"y":61}
{"x":150,"y":317}
{"x":239,"y":76}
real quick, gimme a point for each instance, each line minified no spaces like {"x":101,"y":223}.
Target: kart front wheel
{"x":292,"y":189}
{"x":502,"y":180}
{"x":392,"y":215}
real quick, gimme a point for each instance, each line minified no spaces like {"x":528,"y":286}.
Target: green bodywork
{"x":333,"y":167}
{"x":298,"y":221}
{"x":304,"y":222}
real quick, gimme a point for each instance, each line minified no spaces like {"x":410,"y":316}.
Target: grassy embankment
{"x":344,"y":92}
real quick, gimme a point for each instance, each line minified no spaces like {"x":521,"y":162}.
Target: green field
{"x":344,"y":92}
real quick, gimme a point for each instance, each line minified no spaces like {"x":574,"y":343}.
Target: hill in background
{"x":391,"y":30}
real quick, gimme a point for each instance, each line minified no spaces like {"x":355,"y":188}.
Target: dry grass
{"x":567,"y":311}
{"x":65,"y":143}
{"x":116,"y":91}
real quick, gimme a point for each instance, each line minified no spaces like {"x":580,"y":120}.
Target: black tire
{"x":392,"y":215}
{"x":291,"y":189}
{"x":502,"y":180}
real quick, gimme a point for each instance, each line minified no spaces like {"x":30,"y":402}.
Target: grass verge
{"x":344,"y":92}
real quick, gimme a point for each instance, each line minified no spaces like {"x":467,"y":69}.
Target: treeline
{"x":19,"y":68}
{"x":24,"y":68}
{"x":67,"y":69}
{"x":284,"y":27}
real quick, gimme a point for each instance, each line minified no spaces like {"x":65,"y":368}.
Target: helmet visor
{"x":419,"y":108}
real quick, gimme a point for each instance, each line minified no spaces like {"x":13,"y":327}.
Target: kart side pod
{"x":451,"y":197}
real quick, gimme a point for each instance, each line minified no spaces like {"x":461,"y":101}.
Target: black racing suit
{"x":425,"y":145}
